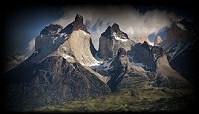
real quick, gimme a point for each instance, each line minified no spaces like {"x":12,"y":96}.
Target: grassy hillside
{"x":135,"y":98}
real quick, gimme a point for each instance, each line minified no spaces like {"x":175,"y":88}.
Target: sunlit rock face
{"x":111,"y":40}
{"x":167,"y":77}
{"x":73,"y":40}
{"x":79,"y":43}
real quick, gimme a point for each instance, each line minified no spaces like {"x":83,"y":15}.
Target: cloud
{"x":136,"y":24}
{"x":31,"y":46}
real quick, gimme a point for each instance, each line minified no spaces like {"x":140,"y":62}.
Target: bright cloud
{"x":31,"y":46}
{"x":136,"y":24}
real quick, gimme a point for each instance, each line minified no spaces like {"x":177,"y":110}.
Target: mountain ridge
{"x":63,"y":67}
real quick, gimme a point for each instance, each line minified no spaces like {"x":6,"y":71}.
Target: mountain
{"x":154,"y":59}
{"x":52,"y":81}
{"x":142,"y":54}
{"x":111,"y":40}
{"x":57,"y":71}
{"x":118,"y":68}
{"x":73,"y":40}
{"x":181,"y":48}
{"x":63,"y":70}
{"x":167,"y":77}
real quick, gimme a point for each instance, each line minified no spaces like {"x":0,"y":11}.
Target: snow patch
{"x":54,"y":39}
{"x":94,"y":64}
{"x":63,"y":35}
{"x":84,"y":32}
{"x":118,"y":38}
{"x":98,"y":58}
{"x":66,"y":56}
{"x":138,"y":64}
{"x":35,"y":52}
{"x":59,"y":30}
{"x":181,"y":26}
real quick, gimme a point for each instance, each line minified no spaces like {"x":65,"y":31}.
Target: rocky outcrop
{"x":74,"y":40}
{"x":49,"y":40}
{"x":76,"y":25}
{"x":117,"y":70}
{"x":157,"y":52}
{"x":113,"y":70}
{"x":111,"y":40}
{"x":141,"y":53}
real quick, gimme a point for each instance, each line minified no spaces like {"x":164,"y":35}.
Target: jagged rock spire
{"x":119,"y":68}
{"x":121,"y":51}
{"x":115,"y":27}
{"x":77,"y":24}
{"x":108,"y":32}
{"x":79,"y":19}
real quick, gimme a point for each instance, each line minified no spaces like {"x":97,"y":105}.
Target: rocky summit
{"x":111,"y":40}
{"x":76,"y":25}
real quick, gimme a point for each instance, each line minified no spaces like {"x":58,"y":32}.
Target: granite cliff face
{"x":142,"y":53}
{"x":111,"y":40}
{"x":74,"y":40}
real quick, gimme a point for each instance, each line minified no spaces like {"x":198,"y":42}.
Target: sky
{"x":25,"y":24}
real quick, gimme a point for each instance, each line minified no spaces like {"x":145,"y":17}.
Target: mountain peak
{"x":79,"y":19}
{"x":107,"y":32}
{"x":77,"y":24}
{"x":115,"y":31}
{"x":115,"y":27}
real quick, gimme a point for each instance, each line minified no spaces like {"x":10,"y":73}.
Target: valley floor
{"x":134,"y":98}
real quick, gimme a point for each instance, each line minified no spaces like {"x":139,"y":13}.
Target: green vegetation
{"x":145,"y":98}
